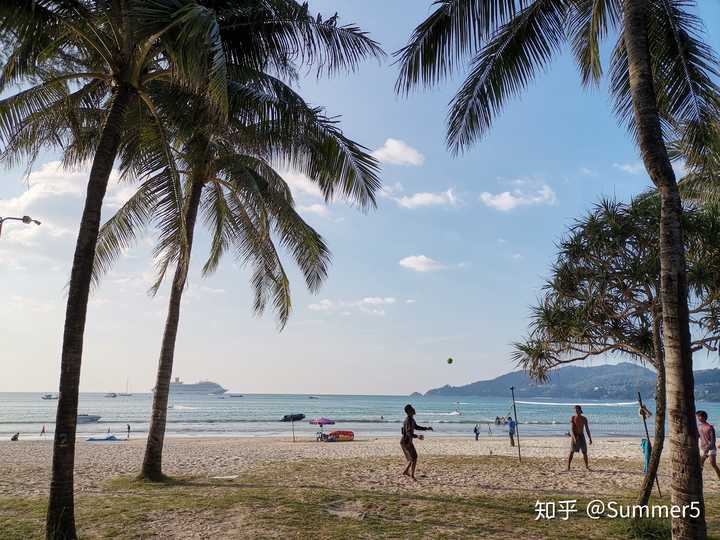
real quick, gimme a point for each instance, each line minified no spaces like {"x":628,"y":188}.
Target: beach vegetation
{"x":603,"y":297}
{"x":662,"y":85}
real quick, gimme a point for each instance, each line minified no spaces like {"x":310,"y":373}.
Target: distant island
{"x":618,"y":381}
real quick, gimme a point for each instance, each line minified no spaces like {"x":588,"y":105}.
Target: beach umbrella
{"x":322,"y":421}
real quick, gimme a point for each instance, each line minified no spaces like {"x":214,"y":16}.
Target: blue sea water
{"x":259,"y":415}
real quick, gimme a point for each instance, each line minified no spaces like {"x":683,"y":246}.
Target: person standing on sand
{"x":476,"y":431}
{"x":578,"y":426}
{"x":511,"y":430}
{"x":708,"y":441}
{"x":42,"y":431}
{"x":128,"y":431}
{"x":406,"y":441}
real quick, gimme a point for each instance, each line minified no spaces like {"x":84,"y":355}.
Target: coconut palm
{"x":75,"y":55}
{"x":603,"y":298}
{"x":245,"y":201}
{"x":662,"y":83}
{"x":87,"y":66}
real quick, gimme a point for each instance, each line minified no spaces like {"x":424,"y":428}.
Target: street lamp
{"x":24,"y":219}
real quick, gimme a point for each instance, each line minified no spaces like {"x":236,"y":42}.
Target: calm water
{"x":259,"y":415}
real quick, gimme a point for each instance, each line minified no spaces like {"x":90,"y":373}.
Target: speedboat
{"x":87,"y":418}
{"x":235,"y":395}
{"x":111,"y":394}
{"x":49,"y":396}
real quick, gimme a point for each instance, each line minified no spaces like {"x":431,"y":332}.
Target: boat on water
{"x":111,"y":394}
{"x":202,"y":387}
{"x":235,"y":395}
{"x":126,"y":393}
{"x":49,"y":396}
{"x":87,"y":418}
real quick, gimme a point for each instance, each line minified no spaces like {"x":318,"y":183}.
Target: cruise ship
{"x":202,"y":387}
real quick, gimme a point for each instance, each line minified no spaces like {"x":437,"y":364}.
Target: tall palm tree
{"x":230,"y":176}
{"x":661,"y":79}
{"x":225,"y":154}
{"x":99,"y":55}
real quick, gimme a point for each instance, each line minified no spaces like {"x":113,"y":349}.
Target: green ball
{"x":450,"y":360}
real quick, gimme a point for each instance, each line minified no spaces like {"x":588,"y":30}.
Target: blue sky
{"x":446,"y":266}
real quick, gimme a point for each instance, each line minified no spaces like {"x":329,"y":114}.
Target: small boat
{"x":87,"y":418}
{"x":293,"y":417}
{"x":49,"y":396}
{"x":313,"y":397}
{"x":341,"y":436}
{"x":104,"y":438}
{"x":111,"y":394}
{"x":126,"y":393}
{"x":235,"y":395}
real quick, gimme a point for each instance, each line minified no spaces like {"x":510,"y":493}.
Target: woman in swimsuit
{"x":406,"y":442}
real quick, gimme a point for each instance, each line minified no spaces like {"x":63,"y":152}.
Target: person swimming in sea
{"x":406,"y":441}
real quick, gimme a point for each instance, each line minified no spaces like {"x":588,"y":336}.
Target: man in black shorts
{"x":578,"y":427}
{"x":406,"y":441}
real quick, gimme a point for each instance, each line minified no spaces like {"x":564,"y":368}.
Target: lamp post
{"x":24,"y":219}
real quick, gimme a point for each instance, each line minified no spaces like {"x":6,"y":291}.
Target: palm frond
{"x":455,"y":30}
{"x":504,"y":67}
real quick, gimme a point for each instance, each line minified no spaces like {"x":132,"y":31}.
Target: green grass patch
{"x":292,"y":500}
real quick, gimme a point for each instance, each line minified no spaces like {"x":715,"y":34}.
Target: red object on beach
{"x":322,"y":421}
{"x":342,"y":436}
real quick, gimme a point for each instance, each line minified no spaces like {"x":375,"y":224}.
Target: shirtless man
{"x":708,"y":441}
{"x":578,"y":426}
{"x":406,"y":442}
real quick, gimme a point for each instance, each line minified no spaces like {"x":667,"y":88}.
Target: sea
{"x":257,"y":415}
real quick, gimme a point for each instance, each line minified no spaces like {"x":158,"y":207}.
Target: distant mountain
{"x":617,"y":381}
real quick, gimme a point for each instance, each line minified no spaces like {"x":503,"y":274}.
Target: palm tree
{"x":90,"y":59}
{"x":661,"y":81}
{"x":227,"y":156}
{"x":603,"y":297}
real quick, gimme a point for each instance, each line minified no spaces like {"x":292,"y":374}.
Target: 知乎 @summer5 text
{"x":597,"y":509}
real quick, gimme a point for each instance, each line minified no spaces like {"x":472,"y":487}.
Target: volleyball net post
{"x":517,"y":423}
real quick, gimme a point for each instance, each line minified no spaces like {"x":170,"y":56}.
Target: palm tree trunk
{"x":687,"y":486}
{"x":660,"y":407}
{"x":152,"y":463}
{"x":60,"y":523}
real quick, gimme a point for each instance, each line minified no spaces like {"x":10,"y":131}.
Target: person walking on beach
{"x":708,"y":441}
{"x":406,"y":441}
{"x":128,"y":432}
{"x":511,"y":430}
{"x":578,"y":426}
{"x":476,"y":431}
{"x":42,"y":431}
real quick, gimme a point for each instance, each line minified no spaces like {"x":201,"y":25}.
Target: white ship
{"x":202,"y":387}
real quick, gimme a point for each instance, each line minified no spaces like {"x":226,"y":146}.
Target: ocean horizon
{"x":259,"y":415}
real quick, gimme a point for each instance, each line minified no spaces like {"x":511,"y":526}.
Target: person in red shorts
{"x":578,"y":427}
{"x":708,"y":441}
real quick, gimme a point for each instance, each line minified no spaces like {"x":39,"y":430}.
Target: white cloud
{"x":318,"y":209}
{"x":409,"y":301}
{"x":630,"y":168}
{"x":501,"y":241}
{"x":509,"y":200}
{"x":301,"y":184}
{"x":373,"y":305}
{"x":389,"y":192}
{"x":584,"y":171}
{"x":445,"y":198}
{"x":421,"y":263}
{"x":397,"y":152}
{"x":518,"y":256}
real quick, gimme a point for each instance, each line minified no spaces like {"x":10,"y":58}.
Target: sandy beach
{"x":616,"y":463}
{"x":274,"y":488}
